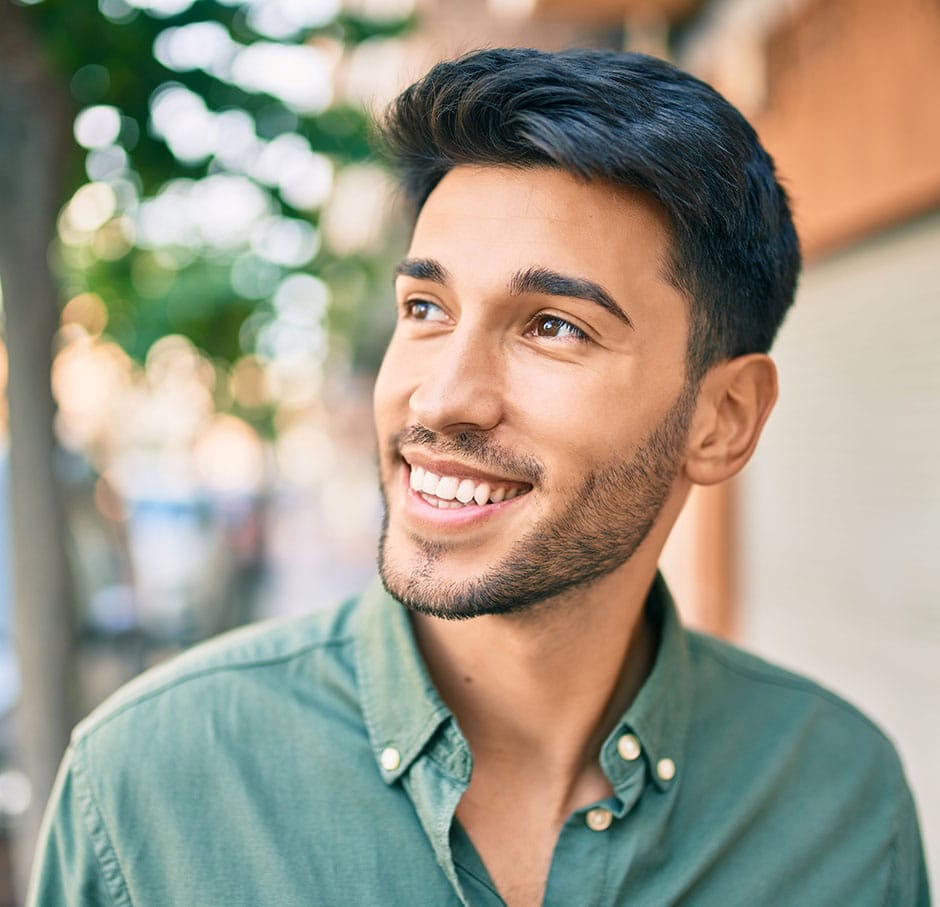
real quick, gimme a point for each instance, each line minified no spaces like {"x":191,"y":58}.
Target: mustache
{"x":473,"y":445}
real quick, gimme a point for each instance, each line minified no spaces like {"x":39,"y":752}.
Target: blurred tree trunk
{"x":34,"y":143}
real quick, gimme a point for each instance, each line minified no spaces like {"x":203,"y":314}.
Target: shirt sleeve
{"x":75,"y":863}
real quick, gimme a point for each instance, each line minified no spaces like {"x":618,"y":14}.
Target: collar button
{"x":598,"y":819}
{"x":390,"y":759}
{"x":628,"y":747}
{"x":666,"y":769}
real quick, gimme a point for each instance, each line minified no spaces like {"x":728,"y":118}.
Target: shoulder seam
{"x":83,"y":732}
{"x":116,"y":880}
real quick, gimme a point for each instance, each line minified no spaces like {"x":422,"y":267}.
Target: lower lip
{"x":418,"y":508}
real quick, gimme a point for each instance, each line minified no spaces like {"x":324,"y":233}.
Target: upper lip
{"x":445,"y":467}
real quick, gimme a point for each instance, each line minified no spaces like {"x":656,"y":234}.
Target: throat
{"x":549,"y":691}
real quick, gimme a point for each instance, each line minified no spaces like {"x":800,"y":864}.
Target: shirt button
{"x":628,"y":747}
{"x":598,"y":819}
{"x":390,"y":758}
{"x":666,"y":769}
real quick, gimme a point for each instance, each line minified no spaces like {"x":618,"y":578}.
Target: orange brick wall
{"x":853,"y":115}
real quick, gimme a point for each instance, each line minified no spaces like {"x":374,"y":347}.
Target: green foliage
{"x":148,"y":300}
{"x":109,"y":60}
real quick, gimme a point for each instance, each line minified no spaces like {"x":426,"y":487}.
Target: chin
{"x":423,"y":582}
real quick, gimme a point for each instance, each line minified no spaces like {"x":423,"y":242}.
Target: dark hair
{"x":636,"y":121}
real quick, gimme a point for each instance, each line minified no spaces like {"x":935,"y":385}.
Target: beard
{"x":603,"y":523}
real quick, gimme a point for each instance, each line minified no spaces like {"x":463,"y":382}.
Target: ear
{"x":733,"y":404}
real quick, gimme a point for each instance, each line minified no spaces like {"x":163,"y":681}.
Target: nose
{"x":461,"y":385}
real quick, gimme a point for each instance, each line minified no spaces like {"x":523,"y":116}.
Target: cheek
{"x":577,"y":417}
{"x":588,"y":422}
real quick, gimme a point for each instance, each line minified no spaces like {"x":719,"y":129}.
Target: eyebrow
{"x":531,"y":280}
{"x":551,"y":283}
{"x":423,"y":269}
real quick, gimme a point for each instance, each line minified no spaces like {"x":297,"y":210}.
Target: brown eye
{"x":551,"y":326}
{"x":423,"y":310}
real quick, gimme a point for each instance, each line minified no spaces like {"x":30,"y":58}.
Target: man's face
{"x":532,"y":408}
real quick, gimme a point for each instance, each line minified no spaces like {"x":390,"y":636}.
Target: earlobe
{"x":734,"y":401}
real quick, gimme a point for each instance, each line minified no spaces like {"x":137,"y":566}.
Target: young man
{"x":600,"y":261}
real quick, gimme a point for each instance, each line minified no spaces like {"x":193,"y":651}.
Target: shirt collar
{"x":401,"y":707}
{"x":659,"y":715}
{"x":403,"y":710}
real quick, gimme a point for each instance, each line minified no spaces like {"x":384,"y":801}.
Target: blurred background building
{"x":195,"y":255}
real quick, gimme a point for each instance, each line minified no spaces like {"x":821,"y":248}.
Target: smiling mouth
{"x":452,"y":492}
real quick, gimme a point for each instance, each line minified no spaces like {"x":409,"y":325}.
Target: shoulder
{"x":727,"y":674}
{"x":783,"y":718}
{"x":741,"y":673}
{"x":246,"y":659}
{"x":251,"y":744}
{"x":806,"y":784}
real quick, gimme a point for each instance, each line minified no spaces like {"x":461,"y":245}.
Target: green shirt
{"x":312,"y":762}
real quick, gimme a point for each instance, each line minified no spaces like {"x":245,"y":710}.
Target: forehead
{"x":544,"y":202}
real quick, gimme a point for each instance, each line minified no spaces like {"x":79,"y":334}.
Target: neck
{"x":545,"y":687}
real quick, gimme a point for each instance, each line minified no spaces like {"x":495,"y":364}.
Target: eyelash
{"x":411,"y":307}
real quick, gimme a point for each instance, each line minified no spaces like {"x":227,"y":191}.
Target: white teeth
{"x":465,"y":491}
{"x":447,"y":488}
{"x":482,"y":493}
{"x":443,"y":505}
{"x":450,"y":492}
